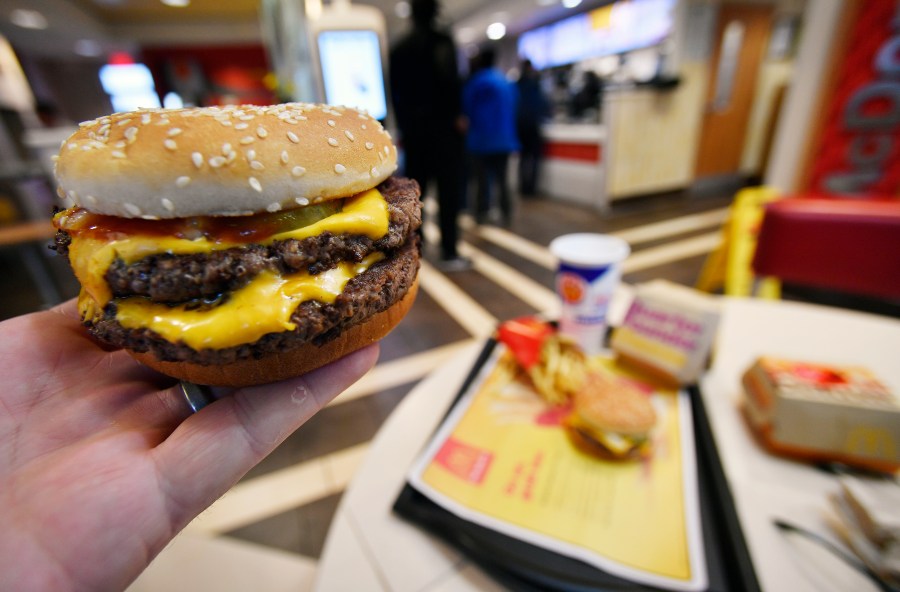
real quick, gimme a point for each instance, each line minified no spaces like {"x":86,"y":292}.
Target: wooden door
{"x":741,"y":37}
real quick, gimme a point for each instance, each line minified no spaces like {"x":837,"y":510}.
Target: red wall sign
{"x":858,"y":149}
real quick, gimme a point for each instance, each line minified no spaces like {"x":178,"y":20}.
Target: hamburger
{"x":238,"y":245}
{"x":610,"y":419}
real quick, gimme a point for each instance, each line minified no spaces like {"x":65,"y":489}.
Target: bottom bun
{"x":288,"y":364}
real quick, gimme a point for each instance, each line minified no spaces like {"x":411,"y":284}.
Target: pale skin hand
{"x":101,"y":460}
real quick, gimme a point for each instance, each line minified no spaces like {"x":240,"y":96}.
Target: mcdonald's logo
{"x":871,"y":442}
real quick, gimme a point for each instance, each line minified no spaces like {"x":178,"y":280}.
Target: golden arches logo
{"x":870,"y":441}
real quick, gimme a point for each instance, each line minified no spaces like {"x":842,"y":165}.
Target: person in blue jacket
{"x":489,"y":103}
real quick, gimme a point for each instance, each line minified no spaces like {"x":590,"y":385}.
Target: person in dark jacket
{"x":426,"y":93}
{"x":534,"y":108}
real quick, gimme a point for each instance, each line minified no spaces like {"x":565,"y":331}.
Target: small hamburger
{"x":610,"y":419}
{"x":238,"y":245}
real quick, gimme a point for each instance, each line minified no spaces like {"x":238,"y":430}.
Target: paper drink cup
{"x":588,"y":272}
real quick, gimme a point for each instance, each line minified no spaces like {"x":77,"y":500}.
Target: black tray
{"x":521,"y":566}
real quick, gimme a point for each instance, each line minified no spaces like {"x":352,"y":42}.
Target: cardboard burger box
{"x":823,"y":413}
{"x":668,"y":332}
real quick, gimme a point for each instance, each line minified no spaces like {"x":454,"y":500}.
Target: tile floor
{"x":272,"y":525}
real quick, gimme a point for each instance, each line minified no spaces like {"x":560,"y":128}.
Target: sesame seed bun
{"x":604,"y":405}
{"x":173,"y":163}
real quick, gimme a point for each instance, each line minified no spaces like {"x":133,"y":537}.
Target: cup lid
{"x":589,"y":249}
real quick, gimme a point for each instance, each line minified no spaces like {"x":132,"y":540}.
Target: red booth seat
{"x":846,"y":244}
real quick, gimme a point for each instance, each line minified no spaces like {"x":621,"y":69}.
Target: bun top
{"x":236,"y":160}
{"x":616,"y":406}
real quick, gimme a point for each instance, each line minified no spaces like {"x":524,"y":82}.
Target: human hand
{"x":102,"y":462}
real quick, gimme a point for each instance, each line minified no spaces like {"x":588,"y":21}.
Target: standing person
{"x":489,"y":102}
{"x":532,"y":112}
{"x":426,"y":92}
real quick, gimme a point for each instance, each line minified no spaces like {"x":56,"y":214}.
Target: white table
{"x":369,"y":548}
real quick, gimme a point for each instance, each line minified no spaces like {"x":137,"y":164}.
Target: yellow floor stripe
{"x":514,"y":281}
{"x":279,"y":491}
{"x":457,"y":303}
{"x":405,"y":370}
{"x":670,"y":252}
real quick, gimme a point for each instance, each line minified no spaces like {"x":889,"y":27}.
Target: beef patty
{"x":371,"y":292}
{"x":174,"y":279}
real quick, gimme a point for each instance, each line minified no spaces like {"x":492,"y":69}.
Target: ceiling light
{"x":28,"y":19}
{"x":496,"y":31}
{"x":176,"y":3}
{"x":571,"y":3}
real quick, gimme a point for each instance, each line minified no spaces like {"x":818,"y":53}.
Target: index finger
{"x":211,"y":450}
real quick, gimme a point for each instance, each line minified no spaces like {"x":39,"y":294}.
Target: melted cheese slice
{"x":263,"y":306}
{"x":365,"y":213}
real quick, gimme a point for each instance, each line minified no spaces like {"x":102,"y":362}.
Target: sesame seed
{"x":132,"y":209}
{"x":298,"y":171}
{"x":284,"y":157}
{"x":174,"y":132}
{"x":216,"y":161}
{"x":72,"y":146}
{"x":225,"y":122}
{"x":182,"y":181}
{"x":226,"y":148}
{"x":301,"y":201}
{"x":117,"y":154}
{"x":170,"y":144}
{"x":386,"y":149}
{"x":293,"y":137}
{"x":247,"y":140}
{"x":231,"y":157}
{"x":331,"y":123}
{"x":332,"y":142}
{"x":131,"y":134}
{"x":273,"y":207}
{"x":339,"y":168}
{"x":349,"y":135}
{"x":374,"y":172}
{"x":254,"y":182}
{"x":145,"y":118}
{"x":241,"y":126}
{"x":369,"y":145}
{"x":125,"y":121}
{"x":197,"y":158}
{"x":261,"y":132}
{"x":120,"y":144}
{"x":167,"y":203}
{"x":256,"y":165}
{"x":364,"y":126}
{"x":251,"y":154}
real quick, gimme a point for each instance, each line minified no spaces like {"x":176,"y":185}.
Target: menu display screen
{"x":352,"y":70}
{"x":612,"y":29}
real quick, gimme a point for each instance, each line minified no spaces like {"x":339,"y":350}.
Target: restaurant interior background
{"x":651,"y":140}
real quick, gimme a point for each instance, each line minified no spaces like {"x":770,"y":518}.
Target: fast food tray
{"x":519,"y":565}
